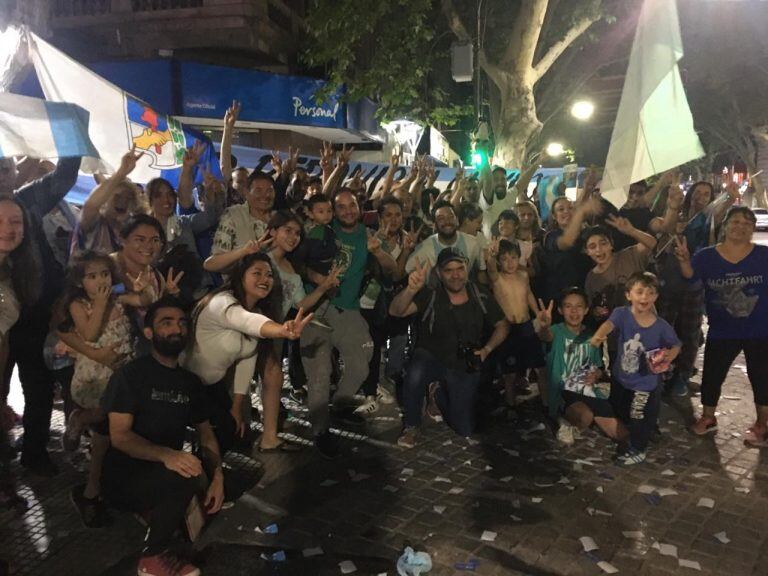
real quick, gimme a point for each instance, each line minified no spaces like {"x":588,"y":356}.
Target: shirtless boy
{"x":522,"y":349}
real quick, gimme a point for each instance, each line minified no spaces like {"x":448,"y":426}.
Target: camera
{"x":472,"y":362}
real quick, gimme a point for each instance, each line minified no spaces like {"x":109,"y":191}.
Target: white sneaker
{"x":565,"y":433}
{"x":384,"y":396}
{"x":368,"y":407}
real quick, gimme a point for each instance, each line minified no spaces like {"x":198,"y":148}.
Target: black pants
{"x":642,"y":410}
{"x":26,"y":342}
{"x":141,"y":486}
{"x":379,"y":337}
{"x":219,"y":406}
{"x":718,"y":357}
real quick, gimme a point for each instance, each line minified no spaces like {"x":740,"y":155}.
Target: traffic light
{"x":479,"y":159}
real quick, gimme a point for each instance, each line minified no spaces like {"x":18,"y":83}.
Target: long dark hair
{"x":271,"y":306}
{"x":74,"y":287}
{"x":689,"y":197}
{"x":24,"y":262}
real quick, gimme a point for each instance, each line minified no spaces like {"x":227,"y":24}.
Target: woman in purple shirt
{"x":734,"y":274}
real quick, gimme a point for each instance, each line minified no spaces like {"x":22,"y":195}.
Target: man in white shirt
{"x":242,"y":225}
{"x":448,"y":235}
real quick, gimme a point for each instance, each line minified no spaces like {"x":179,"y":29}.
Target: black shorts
{"x":521,"y":350}
{"x":600,"y":407}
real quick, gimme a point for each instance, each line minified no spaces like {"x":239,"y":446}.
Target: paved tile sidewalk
{"x":537,"y":497}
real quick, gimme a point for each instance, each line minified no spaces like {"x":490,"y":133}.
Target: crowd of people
{"x":157,"y":308}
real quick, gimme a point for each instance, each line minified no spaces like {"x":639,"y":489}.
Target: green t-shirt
{"x":567,"y":354}
{"x":351,"y":258}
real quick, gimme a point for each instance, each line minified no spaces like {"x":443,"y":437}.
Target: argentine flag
{"x":118,"y":120}
{"x":42,"y":129}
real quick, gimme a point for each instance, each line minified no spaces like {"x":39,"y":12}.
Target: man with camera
{"x":454,"y":321}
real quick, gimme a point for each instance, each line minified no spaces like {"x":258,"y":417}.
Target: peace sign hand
{"x":141,"y":282}
{"x":621,"y":224}
{"x":172,"y":282}
{"x":374,"y":244}
{"x":128,"y":162}
{"x":230,"y":116}
{"x":412,"y":238}
{"x":292,"y":328}
{"x":254,"y":246}
{"x":293,"y":159}
{"x":193,"y":153}
{"x":544,"y":316}
{"x":418,"y":277}
{"x":277,"y":163}
{"x":327,"y":155}
{"x":332,"y":279}
{"x":346,"y":154}
{"x":681,"y":249}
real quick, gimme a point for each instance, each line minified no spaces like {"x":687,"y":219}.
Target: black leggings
{"x":718,"y":357}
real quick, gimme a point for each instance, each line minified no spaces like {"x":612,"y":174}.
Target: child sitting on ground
{"x":574,"y":369}
{"x":647,"y":345}
{"x":521,"y":350}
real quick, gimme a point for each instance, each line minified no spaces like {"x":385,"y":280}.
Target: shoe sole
{"x":707,"y":431}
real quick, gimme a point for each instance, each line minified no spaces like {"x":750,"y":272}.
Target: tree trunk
{"x":514,"y":122}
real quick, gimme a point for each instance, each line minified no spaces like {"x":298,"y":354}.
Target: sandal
{"x":756,"y":436}
{"x":285,"y":447}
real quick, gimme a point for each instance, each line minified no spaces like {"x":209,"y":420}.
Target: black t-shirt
{"x":163,"y":401}
{"x":640,"y":218}
{"x":447,"y":327}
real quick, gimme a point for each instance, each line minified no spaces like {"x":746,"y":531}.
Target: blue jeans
{"x":456,"y":397}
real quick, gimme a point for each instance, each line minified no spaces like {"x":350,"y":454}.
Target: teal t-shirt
{"x":351,"y":258}
{"x":567,"y":354}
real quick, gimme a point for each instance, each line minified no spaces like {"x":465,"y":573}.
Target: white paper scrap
{"x":600,"y":489}
{"x":607,"y":567}
{"x":665,"y":549}
{"x":667,"y":492}
{"x":689,"y":564}
{"x":406,"y":472}
{"x":633,"y":534}
{"x":668,"y":472}
{"x":701,"y":474}
{"x":488,"y":536}
{"x":588,"y":543}
{"x":455,"y":490}
{"x":646,"y":489}
{"x":347,"y":567}
{"x":723,"y":537}
{"x":742,"y":489}
{"x":515,"y":518}
{"x":329,"y":482}
{"x":439,"y":509}
{"x":309,"y":552}
{"x":595,"y":512}
{"x":390,"y":488}
{"x":536,"y":500}
{"x":706,"y":503}
{"x":505,"y":479}
{"x":443,"y":479}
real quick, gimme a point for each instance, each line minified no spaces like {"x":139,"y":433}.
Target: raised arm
{"x":42,"y":195}
{"x":334,"y":179}
{"x":668,"y":223}
{"x":99,"y":196}
{"x":402,"y":304}
{"x":573,"y":229}
{"x":645,"y":242}
{"x":223,"y":261}
{"x":683,"y":257}
{"x":191,"y":159}
{"x":225,"y":151}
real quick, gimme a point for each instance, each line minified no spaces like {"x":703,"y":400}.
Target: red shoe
{"x":166,"y":564}
{"x":704,"y":425}
{"x":756,"y":436}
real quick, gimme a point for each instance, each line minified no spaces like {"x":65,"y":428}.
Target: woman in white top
{"x":229,"y":326}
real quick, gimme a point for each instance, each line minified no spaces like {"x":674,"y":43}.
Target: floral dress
{"x":90,"y":378}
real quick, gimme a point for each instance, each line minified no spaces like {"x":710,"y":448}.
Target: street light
{"x":582,"y":110}
{"x":555,"y":149}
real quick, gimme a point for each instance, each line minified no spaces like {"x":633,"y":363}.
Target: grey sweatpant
{"x":350,"y":336}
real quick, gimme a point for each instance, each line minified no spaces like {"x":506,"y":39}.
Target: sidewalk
{"x":514,"y":501}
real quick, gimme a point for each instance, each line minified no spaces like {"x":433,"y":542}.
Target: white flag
{"x":654,"y":127}
{"x":118,"y":120}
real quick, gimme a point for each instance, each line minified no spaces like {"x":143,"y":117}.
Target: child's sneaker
{"x":704,"y":425}
{"x":368,"y":407}
{"x":630,"y":457}
{"x":384,"y":396}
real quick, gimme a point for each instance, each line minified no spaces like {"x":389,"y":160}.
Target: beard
{"x":169,"y":346}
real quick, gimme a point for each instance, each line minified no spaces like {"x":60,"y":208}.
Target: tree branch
{"x":561,"y":46}
{"x":493,"y":71}
{"x":454,"y":21}
{"x":525,"y":36}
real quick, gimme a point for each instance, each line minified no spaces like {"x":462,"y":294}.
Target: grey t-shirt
{"x":9,"y":306}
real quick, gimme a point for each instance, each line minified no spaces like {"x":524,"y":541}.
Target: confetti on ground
{"x":666,"y":492}
{"x":439,"y":509}
{"x":536,"y":500}
{"x":515,"y":518}
{"x":633,"y":534}
{"x":665,"y":549}
{"x":488,"y":536}
{"x":309,"y":552}
{"x":327,"y":483}
{"x":668,"y":473}
{"x":689,"y":564}
{"x":701,"y":474}
{"x":455,"y":490}
{"x":588,"y":543}
{"x":390,"y":488}
{"x":347,"y":567}
{"x":600,"y":489}
{"x":443,"y":479}
{"x":706,"y":503}
{"x":406,"y":472}
{"x":646,"y":489}
{"x":607,"y":567}
{"x":742,"y":489}
{"x":722,"y":537}
{"x":595,"y":512}
{"x":505,"y":479}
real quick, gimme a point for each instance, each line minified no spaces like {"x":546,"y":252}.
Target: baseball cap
{"x":450,"y":255}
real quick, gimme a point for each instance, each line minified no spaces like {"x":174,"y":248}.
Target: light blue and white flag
{"x":42,"y":129}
